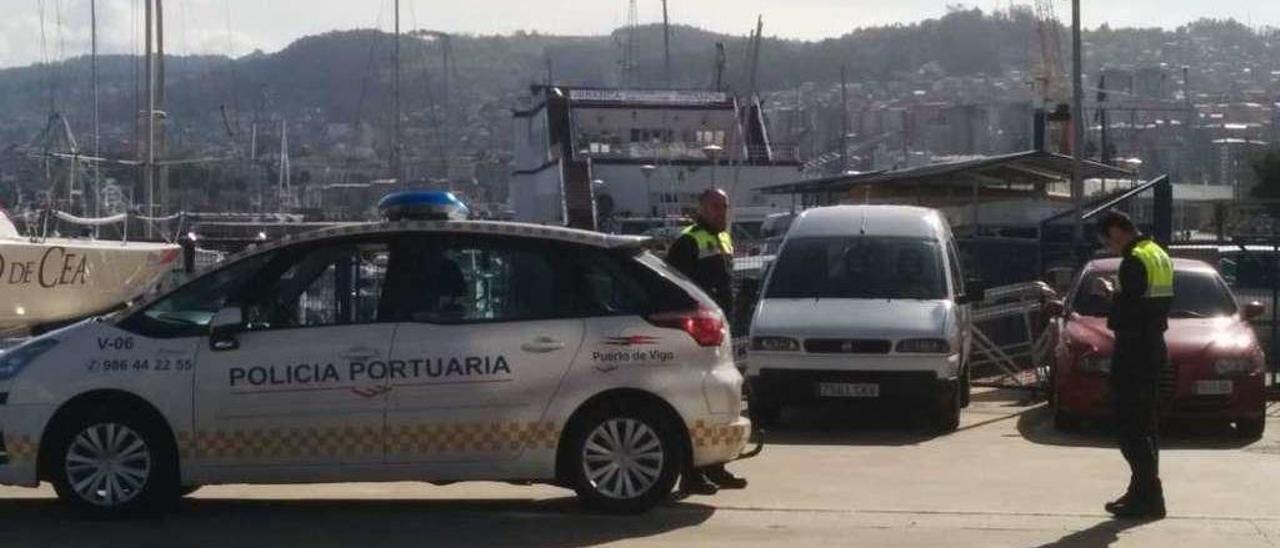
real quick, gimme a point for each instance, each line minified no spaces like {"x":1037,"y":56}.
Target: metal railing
{"x":1012,"y":342}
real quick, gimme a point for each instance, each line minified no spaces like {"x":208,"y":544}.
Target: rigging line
{"x":135,"y":31}
{"x":370,"y":65}
{"x":62,"y":50}
{"x":231,"y":66}
{"x":185,"y":56}
{"x":44,"y":57}
{"x":57,"y":13}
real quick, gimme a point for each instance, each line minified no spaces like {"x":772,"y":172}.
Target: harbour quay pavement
{"x":832,"y":476}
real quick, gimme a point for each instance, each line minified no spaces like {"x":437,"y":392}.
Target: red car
{"x":1216,"y":367}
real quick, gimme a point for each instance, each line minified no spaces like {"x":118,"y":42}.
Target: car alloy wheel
{"x":623,"y":458}
{"x":108,"y":464}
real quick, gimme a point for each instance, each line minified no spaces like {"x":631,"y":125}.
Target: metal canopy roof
{"x":1032,"y":166}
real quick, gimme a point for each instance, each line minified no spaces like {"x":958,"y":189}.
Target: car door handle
{"x":542,"y":345}
{"x":360,"y":353}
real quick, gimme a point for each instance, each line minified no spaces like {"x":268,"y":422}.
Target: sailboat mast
{"x":161,"y":146}
{"x":844,"y":122}
{"x":666,"y":44}
{"x":283,"y":186}
{"x":395,"y":94}
{"x":148,"y":158}
{"x":1077,"y":125}
{"x":97,"y":152}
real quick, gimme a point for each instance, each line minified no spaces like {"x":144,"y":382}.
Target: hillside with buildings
{"x":954,"y":86}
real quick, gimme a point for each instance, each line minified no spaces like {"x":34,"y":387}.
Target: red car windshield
{"x":1196,"y":294}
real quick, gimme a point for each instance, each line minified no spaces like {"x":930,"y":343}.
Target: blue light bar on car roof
{"x":422,"y":205}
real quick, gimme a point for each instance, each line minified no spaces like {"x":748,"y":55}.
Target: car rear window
{"x":626,"y":282}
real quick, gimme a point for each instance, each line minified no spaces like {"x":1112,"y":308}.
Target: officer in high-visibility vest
{"x":1139,"y":317}
{"x":704,"y":253}
{"x":704,"y":250}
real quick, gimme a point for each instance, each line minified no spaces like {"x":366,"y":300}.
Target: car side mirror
{"x":224,"y":327}
{"x":1054,"y":308}
{"x":1254,"y":310}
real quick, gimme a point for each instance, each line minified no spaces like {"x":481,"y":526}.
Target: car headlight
{"x":1234,"y":366}
{"x":775,"y":344}
{"x":12,"y":361}
{"x":924,"y":346}
{"x":1095,"y":364}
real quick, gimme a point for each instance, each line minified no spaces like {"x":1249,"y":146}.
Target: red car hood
{"x":1187,"y":338}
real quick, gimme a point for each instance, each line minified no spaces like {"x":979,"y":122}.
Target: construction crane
{"x":717,"y":81}
{"x":628,"y":63}
{"x":754,"y":61}
{"x":1048,"y":74}
{"x":1051,"y":87}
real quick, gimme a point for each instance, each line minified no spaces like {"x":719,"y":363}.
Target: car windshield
{"x":859,"y":267}
{"x":1196,"y":294}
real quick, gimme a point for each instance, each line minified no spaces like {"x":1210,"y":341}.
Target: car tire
{"x":623,"y":457}
{"x":1066,"y":422}
{"x":113,"y":462}
{"x":765,"y":414}
{"x":947,"y":413}
{"x":1251,"y":429}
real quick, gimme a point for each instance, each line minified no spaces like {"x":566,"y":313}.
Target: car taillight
{"x":704,"y":325}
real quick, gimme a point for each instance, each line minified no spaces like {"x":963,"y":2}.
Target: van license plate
{"x":1213,"y":388}
{"x":848,"y":390}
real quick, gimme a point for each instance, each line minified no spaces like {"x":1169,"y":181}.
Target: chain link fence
{"x":1251,"y":267}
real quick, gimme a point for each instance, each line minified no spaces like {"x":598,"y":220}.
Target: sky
{"x":35,"y":30}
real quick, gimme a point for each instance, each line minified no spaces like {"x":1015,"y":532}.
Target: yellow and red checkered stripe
{"x":422,"y":439}
{"x":410,"y":439}
{"x":704,"y":435}
{"x":417,"y":439}
{"x":21,"y":449}
{"x":283,"y":443}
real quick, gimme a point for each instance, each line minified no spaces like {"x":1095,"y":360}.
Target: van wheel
{"x":947,"y":412}
{"x":1251,"y":429}
{"x":623,"y":458}
{"x":966,"y":388}
{"x":765,"y":414}
{"x":112,"y":462}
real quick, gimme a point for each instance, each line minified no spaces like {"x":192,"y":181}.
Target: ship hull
{"x":56,"y":279}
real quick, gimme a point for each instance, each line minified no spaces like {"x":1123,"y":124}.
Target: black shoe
{"x":697,"y":484}
{"x":1124,"y":500}
{"x":1141,"y":503}
{"x":1144,"y":508}
{"x":724,"y":479}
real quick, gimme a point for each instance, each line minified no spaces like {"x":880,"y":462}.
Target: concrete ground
{"x":1005,"y":479}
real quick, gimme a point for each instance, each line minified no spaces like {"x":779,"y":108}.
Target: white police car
{"x":415,"y":350}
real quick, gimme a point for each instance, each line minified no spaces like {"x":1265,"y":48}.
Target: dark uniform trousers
{"x":1139,"y":318}
{"x":1139,"y":359}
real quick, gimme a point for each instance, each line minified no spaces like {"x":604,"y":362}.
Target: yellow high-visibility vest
{"x":1159,"y":269}
{"x":710,"y":244}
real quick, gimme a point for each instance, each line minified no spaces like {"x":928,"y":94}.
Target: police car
{"x":434,"y":350}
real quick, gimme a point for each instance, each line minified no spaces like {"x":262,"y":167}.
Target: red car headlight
{"x":1229,"y":367}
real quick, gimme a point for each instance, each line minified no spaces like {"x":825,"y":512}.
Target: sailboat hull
{"x":55,"y":280}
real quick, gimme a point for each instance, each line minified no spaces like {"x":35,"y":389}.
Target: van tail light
{"x":706,"y":326}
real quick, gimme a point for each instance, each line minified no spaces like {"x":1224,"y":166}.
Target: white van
{"x":864,"y":302}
